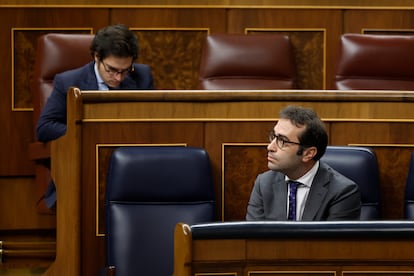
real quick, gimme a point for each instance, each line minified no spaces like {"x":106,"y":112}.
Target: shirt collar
{"x":101,"y":84}
{"x":308,"y":177}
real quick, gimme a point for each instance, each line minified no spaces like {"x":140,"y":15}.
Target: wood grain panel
{"x":171,"y":41}
{"x":305,"y":27}
{"x":334,"y":4}
{"x":331,"y":253}
{"x":220,"y":137}
{"x":174,"y":56}
{"x":16,"y":215}
{"x":242,"y":163}
{"x":355,"y":21}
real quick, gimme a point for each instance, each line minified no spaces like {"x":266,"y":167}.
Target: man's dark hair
{"x":116,"y":40}
{"x":314,"y":134}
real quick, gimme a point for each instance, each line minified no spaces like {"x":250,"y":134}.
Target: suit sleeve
{"x":142,"y":75}
{"x":255,"y":207}
{"x":347,"y":204}
{"x":52,"y":121}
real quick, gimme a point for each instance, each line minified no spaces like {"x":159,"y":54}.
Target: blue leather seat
{"x":149,"y":190}
{"x":360,"y":165}
{"x":409,"y":191}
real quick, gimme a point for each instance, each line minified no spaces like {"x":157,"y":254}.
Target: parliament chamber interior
{"x":222,"y":72}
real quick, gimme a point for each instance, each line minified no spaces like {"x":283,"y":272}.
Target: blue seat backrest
{"x":409,"y":191}
{"x":360,"y":165}
{"x":149,"y":190}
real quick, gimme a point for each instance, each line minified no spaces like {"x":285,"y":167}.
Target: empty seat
{"x":148,"y":191}
{"x":237,"y":61}
{"x":379,"y":62}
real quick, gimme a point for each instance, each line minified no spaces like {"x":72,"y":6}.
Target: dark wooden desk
{"x":295,"y":248}
{"x":231,"y":125}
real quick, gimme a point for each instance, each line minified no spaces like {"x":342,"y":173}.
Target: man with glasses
{"x":114,"y":51}
{"x":298,"y":186}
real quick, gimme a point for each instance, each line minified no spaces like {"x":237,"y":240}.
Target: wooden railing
{"x":295,"y":248}
{"x":15,"y":253}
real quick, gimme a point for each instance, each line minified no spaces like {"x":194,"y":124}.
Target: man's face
{"x":113,"y":70}
{"x":282,"y":151}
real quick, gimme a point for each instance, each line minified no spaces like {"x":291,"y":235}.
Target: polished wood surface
{"x":225,"y":3}
{"x":307,"y":255}
{"x":231,"y":125}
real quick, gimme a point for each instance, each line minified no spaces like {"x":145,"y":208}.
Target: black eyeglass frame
{"x":280,"y":141}
{"x":113,"y":71}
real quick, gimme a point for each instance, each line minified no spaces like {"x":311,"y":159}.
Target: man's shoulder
{"x":142,"y":77}
{"x":82,"y":77}
{"x":334,"y":175}
{"x":142,"y":70}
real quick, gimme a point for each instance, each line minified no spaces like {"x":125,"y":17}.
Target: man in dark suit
{"x":114,"y":50}
{"x":297,"y":142}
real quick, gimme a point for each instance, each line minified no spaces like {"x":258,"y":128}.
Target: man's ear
{"x":309,"y":153}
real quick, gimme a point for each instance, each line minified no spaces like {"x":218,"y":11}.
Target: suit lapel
{"x":89,"y":81}
{"x":316,"y":194}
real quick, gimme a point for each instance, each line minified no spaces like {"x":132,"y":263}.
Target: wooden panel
{"x":171,"y":41}
{"x":16,"y":215}
{"x":307,"y":30}
{"x":166,"y":18}
{"x":356,"y":21}
{"x":242,"y":163}
{"x":332,"y":254}
{"x":226,"y":3}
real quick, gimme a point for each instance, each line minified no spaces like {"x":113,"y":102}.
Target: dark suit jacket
{"x":332,"y":196}
{"x":52,"y":121}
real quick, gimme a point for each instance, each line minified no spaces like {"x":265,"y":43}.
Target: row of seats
{"x":236,"y":61}
{"x":259,"y":61}
{"x":379,"y":62}
{"x":143,"y":205}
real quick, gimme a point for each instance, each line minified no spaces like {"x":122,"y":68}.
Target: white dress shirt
{"x":303,"y":190}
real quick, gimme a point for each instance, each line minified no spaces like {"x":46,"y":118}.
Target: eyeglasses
{"x":113,"y":71}
{"x":280,"y":141}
